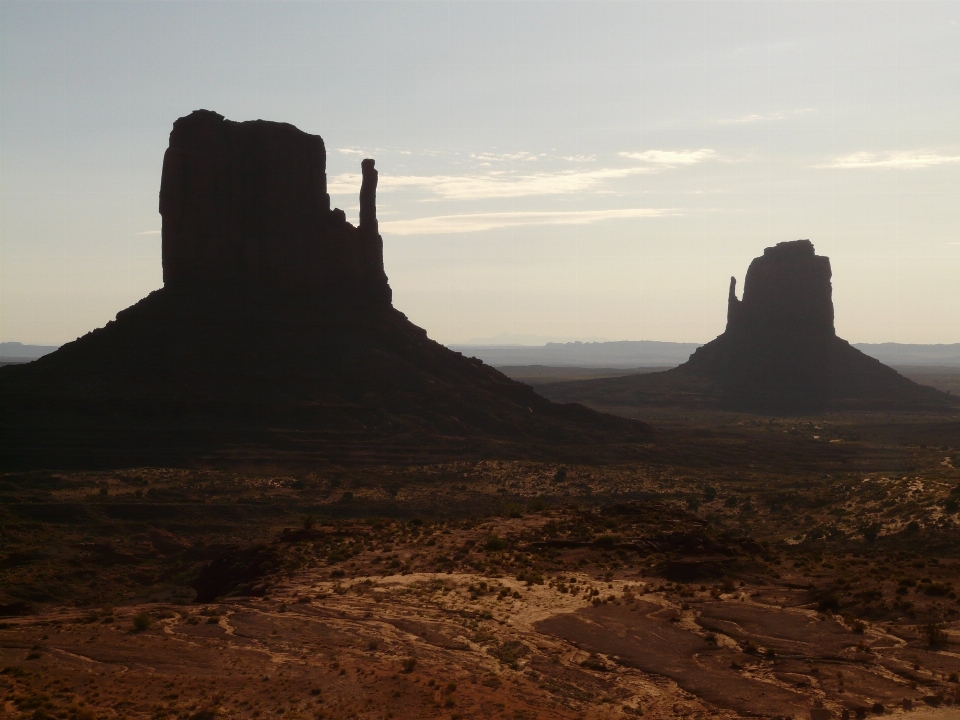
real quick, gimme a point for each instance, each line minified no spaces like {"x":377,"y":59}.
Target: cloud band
{"x":477,"y":222}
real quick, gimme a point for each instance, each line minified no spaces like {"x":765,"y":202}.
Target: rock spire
{"x":368,"y":198}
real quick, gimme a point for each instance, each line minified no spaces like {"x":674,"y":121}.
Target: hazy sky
{"x":547,"y":170}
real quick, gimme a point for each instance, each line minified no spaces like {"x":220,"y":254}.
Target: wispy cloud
{"x":351,"y":151}
{"x":497,"y":184}
{"x":481,"y":183}
{"x":490,"y":157}
{"x":477,"y":222}
{"x":764,"y":117}
{"x":671,"y":158}
{"x":910,"y":160}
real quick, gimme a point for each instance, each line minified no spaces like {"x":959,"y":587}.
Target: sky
{"x":549,"y":171}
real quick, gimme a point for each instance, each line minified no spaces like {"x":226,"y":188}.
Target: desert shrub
{"x":142,"y":621}
{"x":749,"y":647}
{"x":209,"y":713}
{"x":509,"y":652}
{"x":409,"y":664}
{"x":935,"y":634}
{"x":495,"y":543}
{"x":937,"y":589}
{"x":828,"y":601}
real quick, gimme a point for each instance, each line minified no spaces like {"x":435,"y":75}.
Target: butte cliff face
{"x":779,"y":349}
{"x":787,"y":291}
{"x":245,"y":204}
{"x":779,"y":353}
{"x":273,"y":339}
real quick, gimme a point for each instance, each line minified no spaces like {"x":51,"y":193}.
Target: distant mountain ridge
{"x":614,"y":354}
{"x":905,"y":354}
{"x":651,"y":353}
{"x":19,"y":351}
{"x":622,"y":354}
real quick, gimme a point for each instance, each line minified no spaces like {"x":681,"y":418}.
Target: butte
{"x":273,"y":339}
{"x":779,"y":354}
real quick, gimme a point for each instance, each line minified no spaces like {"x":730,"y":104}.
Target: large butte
{"x":273,"y":339}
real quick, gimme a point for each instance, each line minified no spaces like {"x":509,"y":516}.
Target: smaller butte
{"x":779,"y":354}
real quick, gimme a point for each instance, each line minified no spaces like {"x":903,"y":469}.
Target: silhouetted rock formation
{"x":273,"y":338}
{"x":787,"y":291}
{"x":368,"y":198}
{"x":245,"y":204}
{"x":778,"y":354}
{"x":779,"y":349}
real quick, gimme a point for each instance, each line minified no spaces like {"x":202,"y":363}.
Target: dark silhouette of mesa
{"x":778,"y":354}
{"x":272,"y":339}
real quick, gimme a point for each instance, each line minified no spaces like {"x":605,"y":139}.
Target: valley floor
{"x":739,"y":566}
